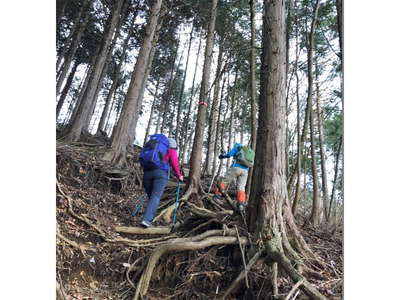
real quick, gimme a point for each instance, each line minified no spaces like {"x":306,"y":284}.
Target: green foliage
{"x":333,"y":129}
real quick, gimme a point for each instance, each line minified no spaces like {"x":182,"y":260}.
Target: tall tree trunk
{"x":66,"y":47}
{"x":158,"y":123}
{"x":310,"y":38}
{"x":195,"y":158}
{"x":107,"y":123}
{"x":178,"y":115}
{"x":298,"y":125}
{"x":84,"y":110}
{"x":151,"y":112}
{"x":123,"y":133}
{"x":218,"y":131}
{"x":183,"y":144}
{"x":66,"y":88}
{"x":223,"y":123}
{"x":253,"y":86}
{"x":172,"y":103}
{"x":142,"y":89}
{"x":316,"y":208}
{"x":82,"y":89}
{"x":253,"y":79}
{"x":269,"y":213}
{"x":109,"y":53}
{"x":339,"y":10}
{"x":167,"y":94}
{"x":74,"y":99}
{"x":213,"y":115}
{"x":74,"y":45}
{"x":115,"y":81}
{"x":337,"y":159}
{"x":60,"y":8}
{"x":299,"y":145}
{"x":322,"y":153}
{"x":232,"y":117}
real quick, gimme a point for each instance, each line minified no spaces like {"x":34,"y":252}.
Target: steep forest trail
{"x":103,"y":254}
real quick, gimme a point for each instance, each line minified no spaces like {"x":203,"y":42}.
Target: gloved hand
{"x":221,"y":156}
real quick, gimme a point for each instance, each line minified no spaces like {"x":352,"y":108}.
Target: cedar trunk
{"x":66,"y":88}
{"x":316,"y":208}
{"x":213,"y":116}
{"x":75,"y":43}
{"x":184,"y":140}
{"x":270,"y":216}
{"x":195,"y":158}
{"x":85,"y":108}
{"x":123,"y":133}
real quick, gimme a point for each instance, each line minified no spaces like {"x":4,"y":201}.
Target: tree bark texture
{"x":218,"y":131}
{"x":195,"y":158}
{"x":232,"y":118}
{"x":106,"y":65}
{"x":60,"y":8}
{"x":142,"y":89}
{"x":178,"y":115}
{"x":167,"y":94}
{"x":183,"y":142}
{"x":316,"y":208}
{"x":84,"y":109}
{"x":66,"y":88}
{"x":270,"y":217}
{"x":322,"y":154}
{"x":213,"y":115}
{"x":253,"y":79}
{"x":253,"y":87}
{"x":298,"y":125}
{"x":337,"y":159}
{"x":82,"y":89}
{"x":268,"y":190}
{"x":121,"y":138}
{"x":75,"y":43}
{"x":151,"y":112}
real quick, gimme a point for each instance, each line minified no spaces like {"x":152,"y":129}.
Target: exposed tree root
{"x":166,"y":214}
{"x":235,"y":284}
{"x":181,"y":245}
{"x":81,"y":248}
{"x":275,"y":253}
{"x":206,"y":213}
{"x":294,"y":288}
{"x":140,"y":230}
{"x":94,"y":215}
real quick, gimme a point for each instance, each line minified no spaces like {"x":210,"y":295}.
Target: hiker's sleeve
{"x":173,"y":160}
{"x":232,"y":152}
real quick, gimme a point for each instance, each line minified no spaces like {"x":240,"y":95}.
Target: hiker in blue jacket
{"x":237,"y":172}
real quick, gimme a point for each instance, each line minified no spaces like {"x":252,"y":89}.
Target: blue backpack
{"x":153,"y":153}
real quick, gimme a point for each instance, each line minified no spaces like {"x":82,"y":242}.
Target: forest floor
{"x":98,"y":259}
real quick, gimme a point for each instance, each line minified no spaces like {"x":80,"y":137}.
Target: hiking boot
{"x":146,"y":224}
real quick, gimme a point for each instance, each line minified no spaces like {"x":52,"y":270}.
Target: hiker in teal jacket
{"x":239,"y":172}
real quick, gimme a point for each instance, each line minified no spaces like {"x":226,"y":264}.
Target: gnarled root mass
{"x":103,"y":253}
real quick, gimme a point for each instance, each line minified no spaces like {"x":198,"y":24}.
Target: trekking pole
{"x":139,"y":205}
{"x":176,"y":202}
{"x":215,"y":174}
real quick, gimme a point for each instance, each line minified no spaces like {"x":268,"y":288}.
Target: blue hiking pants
{"x":154,"y":183}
